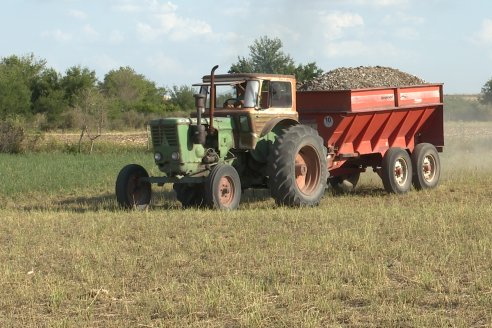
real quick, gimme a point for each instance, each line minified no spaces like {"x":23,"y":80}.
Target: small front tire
{"x":131,"y":192}
{"x":223,"y":188}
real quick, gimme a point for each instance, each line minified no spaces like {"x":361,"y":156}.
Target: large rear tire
{"x":396,"y":171}
{"x":298,"y":167}
{"x":427,"y":166}
{"x":223,"y":188}
{"x":131,"y":192}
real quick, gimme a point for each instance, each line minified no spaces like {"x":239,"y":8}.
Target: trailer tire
{"x":345,"y":183}
{"x":130,"y":191}
{"x":427,"y":166}
{"x":298,"y":167}
{"x":396,"y":171}
{"x":190,"y":195}
{"x":223,"y":188}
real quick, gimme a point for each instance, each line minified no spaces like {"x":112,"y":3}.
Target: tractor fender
{"x":264,"y":143}
{"x":282,"y":121}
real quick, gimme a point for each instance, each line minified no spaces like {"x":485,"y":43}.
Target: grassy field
{"x":70,"y":258}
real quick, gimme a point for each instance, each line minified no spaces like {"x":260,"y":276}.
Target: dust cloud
{"x":468,"y":146}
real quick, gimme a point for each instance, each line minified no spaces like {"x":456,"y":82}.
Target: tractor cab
{"x":256,"y":103}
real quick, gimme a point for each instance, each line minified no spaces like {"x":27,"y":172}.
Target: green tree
{"x":48,"y":97}
{"x":181,"y":98}
{"x":15,"y":94}
{"x":18,"y":75}
{"x":76,"y":80}
{"x":266,"y":56}
{"x":486,"y":95}
{"x":133,"y":91}
{"x":307,"y":72}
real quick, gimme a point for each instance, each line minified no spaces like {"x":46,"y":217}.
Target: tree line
{"x":31,"y":90}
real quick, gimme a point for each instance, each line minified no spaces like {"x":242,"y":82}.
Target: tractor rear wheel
{"x":396,"y":171}
{"x":131,"y":192}
{"x":427,"y":167}
{"x":223,"y":188}
{"x":345,"y":183}
{"x":298,"y":167}
{"x":190,"y":195}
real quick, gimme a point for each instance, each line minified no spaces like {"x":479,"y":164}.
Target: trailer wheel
{"x":427,"y":166}
{"x":396,"y":171}
{"x":130,"y":191}
{"x":298,"y":167}
{"x":190,"y":195}
{"x":223,"y":188}
{"x":345,"y":183}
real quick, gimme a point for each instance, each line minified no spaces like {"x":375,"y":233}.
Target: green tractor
{"x":245,"y":134}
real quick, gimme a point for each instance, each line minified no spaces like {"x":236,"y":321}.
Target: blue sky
{"x":176,"y":42}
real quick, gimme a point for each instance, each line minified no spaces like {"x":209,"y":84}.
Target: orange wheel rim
{"x":307,"y":170}
{"x":226,"y":191}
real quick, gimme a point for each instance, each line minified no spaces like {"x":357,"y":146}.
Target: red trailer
{"x":396,"y":131}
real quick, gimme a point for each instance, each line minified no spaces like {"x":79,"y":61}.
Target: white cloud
{"x":57,"y":35}
{"x":485,"y":33}
{"x":104,"y":63}
{"x":168,"y":22}
{"x":163,"y":63}
{"x":147,"y":32}
{"x":79,"y":14}
{"x":281,"y":31}
{"x":358,"y":48}
{"x":402,"y":18}
{"x":407,"y":33}
{"x":116,"y":37}
{"x":90,"y":32}
{"x":238,"y":10}
{"x":162,"y":19}
{"x":381,"y":3}
{"x":334,"y":24}
{"x":129,"y":6}
{"x":170,"y":67}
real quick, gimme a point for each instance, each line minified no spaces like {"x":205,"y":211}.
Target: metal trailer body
{"x":359,"y":126}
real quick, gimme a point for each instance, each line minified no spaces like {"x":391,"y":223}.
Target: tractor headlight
{"x":175,"y":155}
{"x":157,"y":157}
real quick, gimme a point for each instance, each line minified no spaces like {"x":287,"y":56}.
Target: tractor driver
{"x":237,"y":102}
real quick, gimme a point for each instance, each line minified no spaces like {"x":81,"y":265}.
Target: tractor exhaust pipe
{"x":211,"y":130}
{"x":200,"y":134}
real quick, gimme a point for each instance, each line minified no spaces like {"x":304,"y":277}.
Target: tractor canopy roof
{"x":240,"y":77}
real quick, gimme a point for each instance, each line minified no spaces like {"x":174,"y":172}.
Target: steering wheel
{"x":237,"y":102}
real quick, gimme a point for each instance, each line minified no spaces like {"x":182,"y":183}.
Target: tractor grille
{"x":164,"y":135}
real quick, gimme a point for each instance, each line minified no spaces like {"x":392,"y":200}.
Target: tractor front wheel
{"x":298,"y":167}
{"x":396,"y":171}
{"x":223,"y":188}
{"x":131,"y":191}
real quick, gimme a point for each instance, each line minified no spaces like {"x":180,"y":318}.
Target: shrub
{"x":11,"y":138}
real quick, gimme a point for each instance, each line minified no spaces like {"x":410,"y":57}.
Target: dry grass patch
{"x":69,"y":257}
